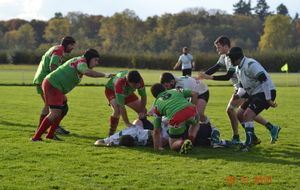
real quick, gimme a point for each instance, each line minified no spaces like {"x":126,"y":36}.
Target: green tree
{"x":261,"y":9}
{"x":10,"y":40}
{"x":242,"y":8}
{"x":277,"y":33}
{"x":25,"y":37}
{"x":281,"y":9}
{"x":121,"y":32}
{"x":57,"y":29}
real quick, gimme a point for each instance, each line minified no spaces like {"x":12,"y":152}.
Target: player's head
{"x":168,"y":80}
{"x":127,"y":140}
{"x":92,"y":57}
{"x":156,"y":89}
{"x":236,"y":55}
{"x":133,"y":79}
{"x":185,"y":50}
{"x":222,"y":44}
{"x":69,"y":43}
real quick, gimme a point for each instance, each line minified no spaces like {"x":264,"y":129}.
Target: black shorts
{"x":203,"y":137}
{"x":187,"y":72}
{"x":147,"y":124}
{"x":204,"y":96}
{"x":257,"y":103}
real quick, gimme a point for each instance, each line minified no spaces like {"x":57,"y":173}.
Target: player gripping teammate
{"x":60,"y":82}
{"x":51,"y":60}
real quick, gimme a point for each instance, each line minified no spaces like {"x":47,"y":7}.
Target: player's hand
{"x":201,"y":75}
{"x":272,"y":104}
{"x":193,"y":68}
{"x":235,"y":97}
{"x":130,"y":125}
{"x":111,"y":144}
{"x":111,"y":75}
{"x":161,"y":148}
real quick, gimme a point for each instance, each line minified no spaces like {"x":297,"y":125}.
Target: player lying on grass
{"x":139,"y":134}
{"x":180,"y":113}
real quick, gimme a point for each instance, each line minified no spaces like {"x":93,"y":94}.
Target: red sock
{"x":44,"y":126}
{"x":53,"y":127}
{"x":42,"y":117}
{"x":191,"y":138}
{"x":181,"y":142}
{"x":113,"y":125}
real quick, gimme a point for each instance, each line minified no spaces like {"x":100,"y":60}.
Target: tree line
{"x":252,"y":28}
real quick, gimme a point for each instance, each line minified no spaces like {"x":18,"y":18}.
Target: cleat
{"x":218,"y":145}
{"x":186,"y":146}
{"x":36,"y":140}
{"x":256,"y":142}
{"x":61,"y":130}
{"x":54,"y":138}
{"x":243,"y":149}
{"x":274,"y":133}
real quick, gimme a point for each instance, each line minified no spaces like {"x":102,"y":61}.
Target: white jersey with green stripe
{"x":139,"y":134}
{"x":185,"y":82}
{"x":248,"y":72}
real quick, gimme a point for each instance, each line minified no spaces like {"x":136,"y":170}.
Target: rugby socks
{"x":42,"y":117}
{"x":53,"y":127}
{"x":191,"y":138}
{"x":113,"y":125}
{"x":250,"y":136}
{"x":269,"y":126}
{"x":44,"y":126}
{"x":215,"y":135}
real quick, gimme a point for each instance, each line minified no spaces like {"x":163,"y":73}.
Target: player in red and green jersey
{"x":51,"y":60}
{"x":180,"y":112}
{"x":119,"y":92}
{"x":60,"y":82}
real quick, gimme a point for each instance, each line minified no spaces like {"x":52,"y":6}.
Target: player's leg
{"x":114,"y":118}
{"x":201,"y":105}
{"x":233,"y":105}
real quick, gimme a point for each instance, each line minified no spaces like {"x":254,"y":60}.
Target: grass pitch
{"x":74,"y":163}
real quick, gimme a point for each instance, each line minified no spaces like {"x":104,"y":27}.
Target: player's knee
{"x":231,"y":108}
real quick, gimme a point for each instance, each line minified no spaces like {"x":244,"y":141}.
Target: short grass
{"x":74,"y":163}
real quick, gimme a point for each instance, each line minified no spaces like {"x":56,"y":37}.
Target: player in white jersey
{"x":223,"y":45}
{"x":170,"y":81}
{"x":139,"y":134}
{"x":187,"y":62}
{"x":254,"y":80}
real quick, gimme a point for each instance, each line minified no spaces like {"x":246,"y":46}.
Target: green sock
{"x":236,"y":137}
{"x":250,"y":136}
{"x":269,"y":126}
{"x":215,"y":135}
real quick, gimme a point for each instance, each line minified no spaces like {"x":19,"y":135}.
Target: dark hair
{"x":66,"y":41}
{"x":185,"y":48}
{"x":156,"y":89}
{"x":166,"y":77}
{"x":235,"y":54}
{"x":133,"y":76}
{"x":90,"y":54}
{"x":127,"y":140}
{"x":223,"y":40}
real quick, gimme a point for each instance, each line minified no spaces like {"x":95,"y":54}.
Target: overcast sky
{"x":44,"y":10}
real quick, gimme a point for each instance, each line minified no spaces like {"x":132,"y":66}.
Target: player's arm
{"x":178,"y":63}
{"x":225,"y":77}
{"x":95,"y":74}
{"x":266,"y":87}
{"x":156,"y":134}
{"x":194,"y":64}
{"x":142,"y":114}
{"x":124,"y":115}
{"x":213,"y":69}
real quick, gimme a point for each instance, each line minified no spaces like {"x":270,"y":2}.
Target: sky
{"x":45,"y":9}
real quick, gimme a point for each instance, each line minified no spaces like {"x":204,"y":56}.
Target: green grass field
{"x":74,"y":163}
{"x":24,"y":74}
